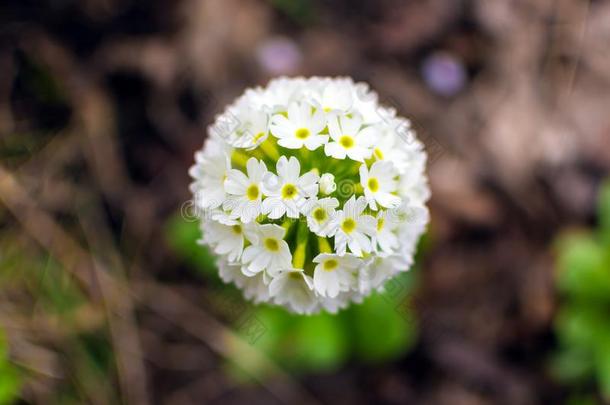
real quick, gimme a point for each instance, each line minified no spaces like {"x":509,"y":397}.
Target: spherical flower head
{"x":311,"y":194}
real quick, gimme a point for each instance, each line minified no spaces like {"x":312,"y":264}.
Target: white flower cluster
{"x":311,"y":193}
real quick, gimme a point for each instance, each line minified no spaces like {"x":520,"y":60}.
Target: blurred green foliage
{"x":380,"y":329}
{"x":65,"y":324}
{"x":10,"y":380}
{"x":582,"y":323}
{"x":300,"y":11}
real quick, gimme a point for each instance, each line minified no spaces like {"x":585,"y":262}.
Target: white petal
{"x":290,"y":143}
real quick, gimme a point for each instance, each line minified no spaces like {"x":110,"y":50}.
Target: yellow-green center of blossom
{"x":319,"y":214}
{"x":378,"y":153}
{"x":237,"y":229}
{"x":330,"y":265}
{"x":348,"y":225}
{"x":302,"y":133}
{"x":272,"y":244}
{"x":289,"y":191}
{"x":346,"y":141}
{"x":373,"y":184}
{"x":295,"y":275}
{"x":380,"y":224}
{"x":252,"y":192}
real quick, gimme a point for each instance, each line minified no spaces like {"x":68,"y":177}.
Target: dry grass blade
{"x":119,"y":311}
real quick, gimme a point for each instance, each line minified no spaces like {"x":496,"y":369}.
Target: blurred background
{"x":106,"y":298}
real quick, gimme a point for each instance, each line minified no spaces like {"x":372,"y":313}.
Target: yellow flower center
{"x":272,"y":244}
{"x":346,"y":141}
{"x":330,"y":265}
{"x":289,"y":191}
{"x":348,"y":225}
{"x":302,"y":133}
{"x":380,"y":224}
{"x":295,"y":275}
{"x":237,"y":229}
{"x":378,"y":153}
{"x":252,"y":192}
{"x":373,"y":184}
{"x":319,"y":214}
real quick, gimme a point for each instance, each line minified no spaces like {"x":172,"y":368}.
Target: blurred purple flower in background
{"x":443,"y":73}
{"x":279,"y":55}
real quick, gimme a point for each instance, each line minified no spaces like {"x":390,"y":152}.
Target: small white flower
{"x":349,"y":138}
{"x":226,"y":240}
{"x":294,"y":288}
{"x":288,"y":191}
{"x":341,"y":301}
{"x":255,"y":288}
{"x":334,"y":273}
{"x":385,"y":237}
{"x":413,"y":182}
{"x":377,"y":271}
{"x":379,"y":184}
{"x":327,"y":184}
{"x":319,"y":214}
{"x":245,"y":197}
{"x":221,"y":216}
{"x":366,"y":103}
{"x":412,"y":221}
{"x":248,"y":127}
{"x":301,"y":128}
{"x":395,"y":141}
{"x":210,"y":172}
{"x":336,"y":95}
{"x":351,"y":227}
{"x":269,"y":251}
{"x":280,"y":93}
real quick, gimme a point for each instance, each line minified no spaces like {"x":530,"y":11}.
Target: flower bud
{"x":327,"y":184}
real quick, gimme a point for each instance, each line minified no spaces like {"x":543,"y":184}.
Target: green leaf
{"x":581,"y":325}
{"x":10,"y":384}
{"x":582,"y":399}
{"x":583,"y":268}
{"x":604,"y":212}
{"x":300,"y":343}
{"x":57,"y":289}
{"x":301,"y":11}
{"x":315,"y":343}
{"x":264,"y":329}
{"x":572,"y":364}
{"x":603,"y":362}
{"x":275,"y":323}
{"x":382,"y":328}
{"x":3,"y":346}
{"x":10,"y":381}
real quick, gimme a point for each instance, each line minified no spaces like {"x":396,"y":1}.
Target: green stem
{"x":323,"y":245}
{"x":298,"y":258}
{"x":239,"y":159}
{"x":270,"y":149}
{"x":287,"y":224}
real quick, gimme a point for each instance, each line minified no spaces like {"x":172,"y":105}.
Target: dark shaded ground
{"x":103,"y":103}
